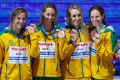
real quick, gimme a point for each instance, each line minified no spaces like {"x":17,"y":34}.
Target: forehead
{"x":49,"y":10}
{"x":22,"y":15}
{"x":74,"y":11}
{"x":95,"y":12}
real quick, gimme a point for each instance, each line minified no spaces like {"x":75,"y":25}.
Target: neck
{"x":48,"y":27}
{"x":16,"y":30}
{"x":99,"y":26}
{"x":76,"y":27}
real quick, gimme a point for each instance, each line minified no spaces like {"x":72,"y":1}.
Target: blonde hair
{"x":15,"y":13}
{"x":82,"y":26}
{"x":73,"y":6}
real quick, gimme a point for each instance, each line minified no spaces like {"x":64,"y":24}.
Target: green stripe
{"x":19,"y":64}
{"x":112,"y":36}
{"x":2,"y":32}
{"x":19,"y":72}
{"x":113,"y":40}
{"x":44,"y":67}
{"x":81,"y":59}
{"x":6,"y":72}
{"x":82,"y":68}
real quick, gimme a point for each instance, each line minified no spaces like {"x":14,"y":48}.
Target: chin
{"x":96,"y":24}
{"x":19,"y":27}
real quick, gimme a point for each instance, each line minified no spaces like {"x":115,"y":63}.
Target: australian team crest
{"x":10,"y":42}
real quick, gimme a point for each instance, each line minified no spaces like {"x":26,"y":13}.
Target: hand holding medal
{"x":31,"y":28}
{"x":96,"y":38}
{"x":74,"y":37}
{"x":61,"y":33}
{"x":94,"y":35}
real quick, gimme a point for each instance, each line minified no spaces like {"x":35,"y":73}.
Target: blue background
{"x":111,"y":7}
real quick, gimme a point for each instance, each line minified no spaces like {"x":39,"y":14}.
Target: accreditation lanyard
{"x":78,"y":32}
{"x":46,"y":33}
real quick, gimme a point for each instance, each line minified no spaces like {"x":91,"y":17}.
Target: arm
{"x":34,"y":47}
{"x":65,"y":49}
{"x":33,"y":34}
{"x":1,"y":53}
{"x":105,"y":47}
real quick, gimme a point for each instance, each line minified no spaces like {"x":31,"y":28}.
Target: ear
{"x":67,"y":19}
{"x":103,"y":16}
{"x":43,"y":14}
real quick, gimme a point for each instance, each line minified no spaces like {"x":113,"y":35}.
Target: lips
{"x":20,"y":24}
{"x":49,"y":20}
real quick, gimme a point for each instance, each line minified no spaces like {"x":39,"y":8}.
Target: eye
{"x":74,"y":16}
{"x":48,"y":14}
{"x":53,"y":15}
{"x":97,"y":16}
{"x":79,"y":15}
{"x":23,"y":18}
{"x":91,"y":17}
{"x":18,"y":18}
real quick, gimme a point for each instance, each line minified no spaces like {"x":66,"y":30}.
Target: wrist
{"x":74,"y":43}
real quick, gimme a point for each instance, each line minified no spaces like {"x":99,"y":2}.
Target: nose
{"x":21,"y":20}
{"x":77,"y":18}
{"x":94,"y":19}
{"x":50,"y":16}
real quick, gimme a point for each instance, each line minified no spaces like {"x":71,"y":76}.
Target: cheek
{"x":91,"y":20}
{"x":72,"y":20}
{"x":45,"y":17}
{"x":15,"y":22}
{"x":99,"y":19}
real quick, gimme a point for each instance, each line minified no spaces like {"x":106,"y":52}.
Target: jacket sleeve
{"x":65,"y":48}
{"x":34,"y":47}
{"x":1,"y":52}
{"x":105,"y":47}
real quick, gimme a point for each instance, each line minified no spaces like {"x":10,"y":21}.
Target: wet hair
{"x":15,"y":13}
{"x":68,"y":18}
{"x":48,"y":5}
{"x":101,"y":10}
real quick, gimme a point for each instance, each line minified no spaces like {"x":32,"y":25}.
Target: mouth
{"x":49,"y":20}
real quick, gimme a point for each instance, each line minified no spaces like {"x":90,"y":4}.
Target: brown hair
{"x":48,"y":5}
{"x":101,"y":10}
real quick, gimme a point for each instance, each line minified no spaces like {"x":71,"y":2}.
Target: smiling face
{"x":96,"y":18}
{"x":49,"y":15}
{"x":75,"y":17}
{"x":20,"y":20}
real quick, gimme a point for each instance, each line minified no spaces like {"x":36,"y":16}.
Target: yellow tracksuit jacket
{"x":15,"y":52}
{"x":102,"y":54}
{"x":76,"y":66}
{"x":47,"y":65}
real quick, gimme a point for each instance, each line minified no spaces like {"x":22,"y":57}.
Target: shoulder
{"x":1,"y":33}
{"x":109,"y":29}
